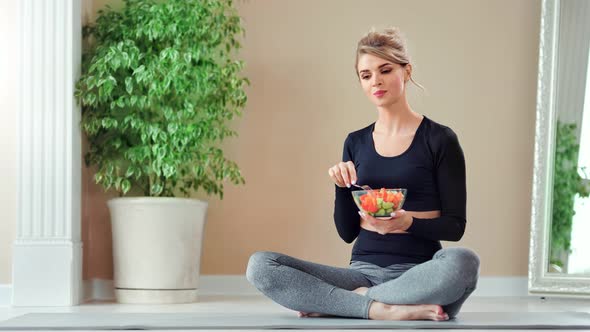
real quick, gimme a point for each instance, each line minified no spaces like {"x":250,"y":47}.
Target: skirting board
{"x":5,"y":295}
{"x":102,"y":290}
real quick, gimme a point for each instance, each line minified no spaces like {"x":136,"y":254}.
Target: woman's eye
{"x":386,"y":71}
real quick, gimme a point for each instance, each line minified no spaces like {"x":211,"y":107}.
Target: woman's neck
{"x":396,"y":120}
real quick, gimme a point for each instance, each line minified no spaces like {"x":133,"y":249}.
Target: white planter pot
{"x":157,"y":245}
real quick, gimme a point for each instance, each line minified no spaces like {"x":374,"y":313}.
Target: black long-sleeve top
{"x":432,"y":169}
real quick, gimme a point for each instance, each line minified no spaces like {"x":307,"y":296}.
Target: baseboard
{"x":102,"y":290}
{"x":238,"y":285}
{"x":5,"y":295}
{"x":501,"y":286}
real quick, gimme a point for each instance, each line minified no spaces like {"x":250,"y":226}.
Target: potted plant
{"x":158,"y":87}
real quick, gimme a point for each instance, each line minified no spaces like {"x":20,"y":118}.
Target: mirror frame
{"x":539,"y":280}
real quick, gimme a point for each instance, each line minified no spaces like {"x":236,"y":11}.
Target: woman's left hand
{"x":399,"y":221}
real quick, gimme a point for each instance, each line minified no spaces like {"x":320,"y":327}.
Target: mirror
{"x":559,"y":253}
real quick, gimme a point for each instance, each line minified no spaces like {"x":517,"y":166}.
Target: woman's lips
{"x":379,"y":93}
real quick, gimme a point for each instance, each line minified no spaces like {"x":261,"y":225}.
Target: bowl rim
{"x":386,"y":189}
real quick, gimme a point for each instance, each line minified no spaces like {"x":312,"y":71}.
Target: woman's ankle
{"x":361,"y":291}
{"x":378,"y":310}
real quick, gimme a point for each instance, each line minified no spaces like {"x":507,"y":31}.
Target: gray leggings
{"x":447,"y":280}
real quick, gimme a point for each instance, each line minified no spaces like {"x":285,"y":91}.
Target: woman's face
{"x":382,"y":81}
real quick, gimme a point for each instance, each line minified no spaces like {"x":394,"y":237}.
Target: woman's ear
{"x":408,"y":73}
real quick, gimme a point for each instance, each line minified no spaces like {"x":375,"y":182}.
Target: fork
{"x":364,"y":187}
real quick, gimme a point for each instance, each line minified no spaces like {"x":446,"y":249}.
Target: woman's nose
{"x":376,"y":80}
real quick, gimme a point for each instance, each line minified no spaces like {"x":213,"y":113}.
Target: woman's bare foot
{"x":384,"y":311}
{"x":361,"y":290}
{"x":302,"y":314}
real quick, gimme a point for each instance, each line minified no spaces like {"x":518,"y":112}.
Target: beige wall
{"x":8,"y":115}
{"x":478,"y":61}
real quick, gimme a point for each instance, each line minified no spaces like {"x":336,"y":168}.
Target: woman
{"x":398,"y":269}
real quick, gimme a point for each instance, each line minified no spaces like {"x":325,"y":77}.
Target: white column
{"x":47,"y":268}
{"x":572,"y":59}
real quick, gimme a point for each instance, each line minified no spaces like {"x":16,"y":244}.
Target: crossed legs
{"x":423,"y":292}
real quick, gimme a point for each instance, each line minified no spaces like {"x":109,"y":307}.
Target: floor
{"x":259,"y":304}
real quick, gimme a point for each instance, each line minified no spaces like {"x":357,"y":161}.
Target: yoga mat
{"x":187,"y":321}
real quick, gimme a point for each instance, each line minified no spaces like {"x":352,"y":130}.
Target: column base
{"x":47,"y":273}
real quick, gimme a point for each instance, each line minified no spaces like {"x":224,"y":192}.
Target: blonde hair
{"x":388,"y":44}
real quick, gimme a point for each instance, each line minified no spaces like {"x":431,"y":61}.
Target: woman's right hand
{"x":343,"y":174}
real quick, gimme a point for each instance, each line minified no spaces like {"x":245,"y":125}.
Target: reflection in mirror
{"x":560,"y":216}
{"x":570,"y":217}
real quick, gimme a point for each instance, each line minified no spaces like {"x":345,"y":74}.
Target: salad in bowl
{"x":380,"y":202}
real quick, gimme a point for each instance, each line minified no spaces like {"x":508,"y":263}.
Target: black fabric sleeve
{"x":450,"y":175}
{"x":346,"y":216}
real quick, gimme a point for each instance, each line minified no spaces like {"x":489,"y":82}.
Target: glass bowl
{"x":379,"y":203}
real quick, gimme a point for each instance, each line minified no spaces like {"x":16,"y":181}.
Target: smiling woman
{"x":402,"y":149}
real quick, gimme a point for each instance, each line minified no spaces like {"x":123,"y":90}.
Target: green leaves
{"x":567,"y":183}
{"x":159,"y":85}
